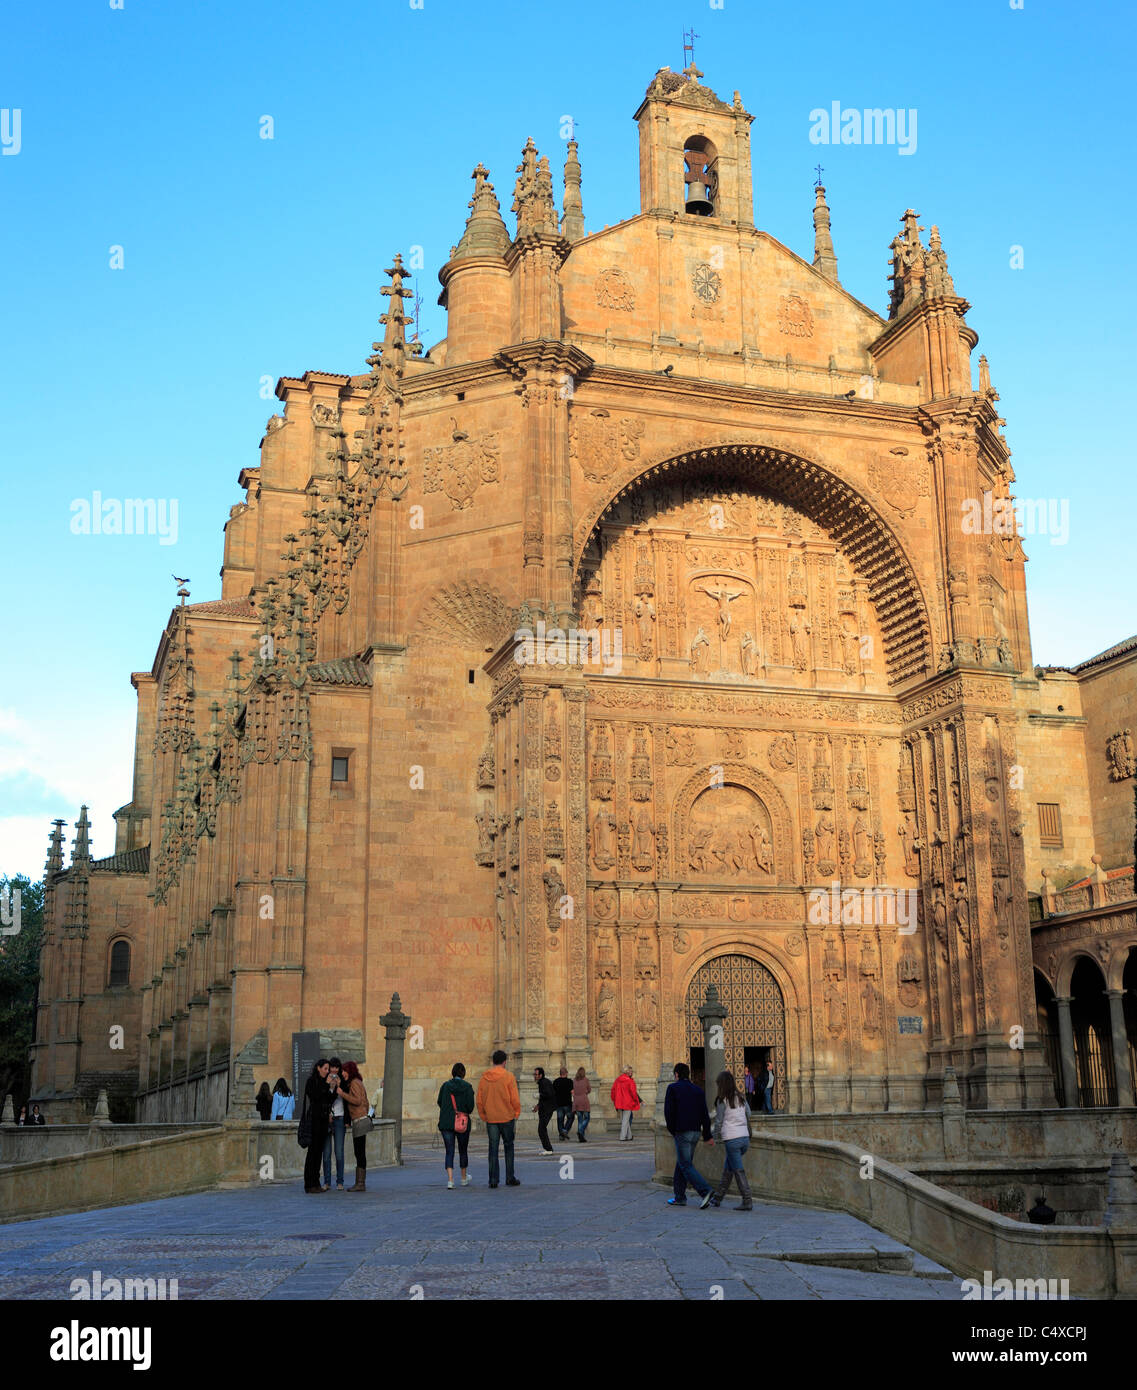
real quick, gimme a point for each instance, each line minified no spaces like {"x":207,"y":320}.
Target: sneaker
{"x":450,"y":1184}
{"x":467,"y":1180}
{"x":677,"y":1201}
{"x":546,"y":1153}
{"x":705,"y":1203}
{"x":513,"y":1182}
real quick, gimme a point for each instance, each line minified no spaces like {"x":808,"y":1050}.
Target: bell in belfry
{"x":700,"y":179}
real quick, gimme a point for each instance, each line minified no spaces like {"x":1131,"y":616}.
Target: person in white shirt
{"x":732,"y":1128}
{"x":336,"y":1129}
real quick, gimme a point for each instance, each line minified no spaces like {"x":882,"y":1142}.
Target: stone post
{"x":1121,"y":1194}
{"x":951,"y":1106}
{"x":1066,"y":1056}
{"x":242,"y":1100}
{"x":102,"y":1115}
{"x":9,"y":1116}
{"x":1120,"y":1041}
{"x":712,"y":1015}
{"x":395,"y":1024}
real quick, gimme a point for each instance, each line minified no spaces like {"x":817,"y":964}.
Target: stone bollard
{"x":102,"y":1115}
{"x":9,"y":1116}
{"x":1121,"y":1195}
{"x":712,"y":1015}
{"x":395,"y":1024}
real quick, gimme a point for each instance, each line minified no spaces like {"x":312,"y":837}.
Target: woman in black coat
{"x":317,"y":1109}
{"x":264,"y":1101}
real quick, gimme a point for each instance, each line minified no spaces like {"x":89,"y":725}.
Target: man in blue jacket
{"x":685,"y":1114}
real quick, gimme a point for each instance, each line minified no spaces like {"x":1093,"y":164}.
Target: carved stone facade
{"x":770,"y":724}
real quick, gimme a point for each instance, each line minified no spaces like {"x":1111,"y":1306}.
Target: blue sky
{"x":246,"y":258}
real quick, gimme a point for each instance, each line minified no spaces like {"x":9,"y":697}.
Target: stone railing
{"x":232,"y":1154}
{"x":1097,"y":1262}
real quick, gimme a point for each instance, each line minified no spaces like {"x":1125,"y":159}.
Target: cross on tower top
{"x":690,"y":70}
{"x":820,"y":171}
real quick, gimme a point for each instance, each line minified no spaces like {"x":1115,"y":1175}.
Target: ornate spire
{"x":533,"y":194}
{"x":908,"y":267}
{"x":824,"y":257}
{"x":485,"y":233}
{"x":937,"y":280}
{"x":572,"y":221}
{"x":54,"y":863}
{"x":390,"y":355}
{"x":80,"y":869}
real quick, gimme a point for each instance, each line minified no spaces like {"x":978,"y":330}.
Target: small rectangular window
{"x":339,"y":769}
{"x":1049,"y":825}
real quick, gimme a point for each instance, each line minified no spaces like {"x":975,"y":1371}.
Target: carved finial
{"x":533,"y":194}
{"x":54,"y":864}
{"x":81,"y":845}
{"x":938,"y":281}
{"x":824,"y":257}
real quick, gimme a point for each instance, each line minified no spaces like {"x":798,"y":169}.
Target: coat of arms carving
{"x":460,"y":468}
{"x":794,"y":317}
{"x":1119,"y":751}
{"x":597,"y":442}
{"x":900,"y":484}
{"x":614,"y":290}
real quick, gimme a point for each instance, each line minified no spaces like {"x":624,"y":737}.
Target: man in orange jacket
{"x":499,"y":1105}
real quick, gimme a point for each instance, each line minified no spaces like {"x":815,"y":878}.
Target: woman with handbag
{"x":355,"y":1099}
{"x":455,"y":1106}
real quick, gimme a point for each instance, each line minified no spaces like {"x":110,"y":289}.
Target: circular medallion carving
{"x":706,"y":283}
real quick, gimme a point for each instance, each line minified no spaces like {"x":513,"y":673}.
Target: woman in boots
{"x":357,"y":1105}
{"x":732,"y":1128}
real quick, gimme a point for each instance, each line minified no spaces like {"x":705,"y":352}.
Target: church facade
{"x":654,"y":630}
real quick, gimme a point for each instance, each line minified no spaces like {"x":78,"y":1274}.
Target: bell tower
{"x":694,"y":150}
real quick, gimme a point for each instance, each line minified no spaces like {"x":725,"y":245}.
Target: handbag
{"x":461,"y":1119}
{"x":364,"y":1125}
{"x":304,"y":1129}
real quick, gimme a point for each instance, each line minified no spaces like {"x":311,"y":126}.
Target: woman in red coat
{"x":626,"y":1099}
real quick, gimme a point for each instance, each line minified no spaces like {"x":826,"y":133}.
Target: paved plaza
{"x":604,"y":1232}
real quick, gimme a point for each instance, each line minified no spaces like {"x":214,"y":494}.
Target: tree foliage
{"x":19,"y":984}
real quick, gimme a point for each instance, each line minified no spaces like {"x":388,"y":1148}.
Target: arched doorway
{"x":1093,"y":1043}
{"x":1048,"y":1030}
{"x":755,"y":1030}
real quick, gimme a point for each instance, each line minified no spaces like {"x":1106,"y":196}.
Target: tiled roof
{"x":234,"y":607}
{"x":344,"y":671}
{"x":1118,"y":649}
{"x":131,"y":861}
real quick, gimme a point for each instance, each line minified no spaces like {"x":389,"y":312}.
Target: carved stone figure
{"x":825,"y":843}
{"x":603,"y":839}
{"x":645,"y":616}
{"x":834,"y":1008}
{"x":781,"y":753}
{"x":870,"y":1007}
{"x":1119,"y":751}
{"x":554,"y":893}
{"x":700,"y":651}
{"x":748,"y":654}
{"x":724,"y":598}
{"x":911,"y":842}
{"x":606,"y":1011}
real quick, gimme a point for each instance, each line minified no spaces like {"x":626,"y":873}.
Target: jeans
{"x":764,"y":1099}
{"x":626,"y":1124}
{"x":502,"y":1133}
{"x":735,"y":1148}
{"x":564,"y":1120}
{"x":582,"y":1119}
{"x":449,"y":1137}
{"x":685,"y":1171}
{"x":335,"y":1135}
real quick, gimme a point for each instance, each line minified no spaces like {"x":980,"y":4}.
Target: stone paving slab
{"x":598,"y":1229}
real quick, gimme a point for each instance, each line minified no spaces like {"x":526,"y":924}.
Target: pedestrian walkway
{"x":589,"y":1224}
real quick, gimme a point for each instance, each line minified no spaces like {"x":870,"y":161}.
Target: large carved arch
{"x":851,"y":520}
{"x":733,"y":775}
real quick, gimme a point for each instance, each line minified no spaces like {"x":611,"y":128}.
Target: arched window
{"x":120,"y":964}
{"x":700,"y":174}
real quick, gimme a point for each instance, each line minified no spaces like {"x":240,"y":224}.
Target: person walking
{"x":264,"y":1101}
{"x":546,"y":1104}
{"x":336,"y":1128}
{"x":283,"y":1101}
{"x":455,"y":1106}
{"x":354,"y":1097}
{"x":581,"y":1105}
{"x":685,"y":1114}
{"x":314,"y":1118}
{"x":499,"y":1105}
{"x":768,"y":1093}
{"x":732,"y":1128}
{"x":626,"y":1099}
{"x":562,"y":1093}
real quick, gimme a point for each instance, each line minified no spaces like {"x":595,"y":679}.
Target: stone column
{"x":712,"y":1015}
{"x":1120,"y":1041}
{"x":395,"y":1024}
{"x":1066,"y":1055}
